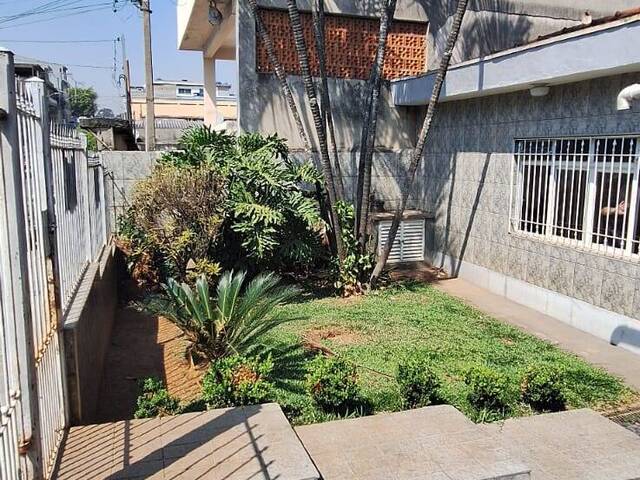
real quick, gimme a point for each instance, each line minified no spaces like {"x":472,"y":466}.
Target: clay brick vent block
{"x":351,"y":45}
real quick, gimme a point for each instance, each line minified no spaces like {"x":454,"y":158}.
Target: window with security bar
{"x":581,"y":192}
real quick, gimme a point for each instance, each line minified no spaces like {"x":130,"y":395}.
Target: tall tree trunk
{"x":325,"y":100}
{"x":422,"y":139}
{"x":280,"y":73}
{"x":303,"y":58}
{"x":369,"y":132}
{"x":369,"y":125}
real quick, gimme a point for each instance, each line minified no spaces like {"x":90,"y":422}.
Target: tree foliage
{"x":83,"y":101}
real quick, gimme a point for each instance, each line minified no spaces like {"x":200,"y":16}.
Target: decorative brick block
{"x":351,"y":44}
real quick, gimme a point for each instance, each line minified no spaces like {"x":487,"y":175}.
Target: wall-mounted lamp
{"x":627,"y":95}
{"x":539,"y":90}
{"x":215,"y":15}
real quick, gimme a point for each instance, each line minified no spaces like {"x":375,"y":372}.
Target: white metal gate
{"x":46,"y":332}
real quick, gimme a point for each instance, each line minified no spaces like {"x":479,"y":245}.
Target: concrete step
{"x":435,"y":443}
{"x":573,"y":445}
{"x":233,"y":444}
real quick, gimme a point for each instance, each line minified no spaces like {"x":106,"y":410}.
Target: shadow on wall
{"x":626,"y":335}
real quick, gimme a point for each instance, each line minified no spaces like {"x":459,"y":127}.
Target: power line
{"x":57,"y":41}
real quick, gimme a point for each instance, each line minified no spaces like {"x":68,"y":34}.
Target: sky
{"x":77,"y":21}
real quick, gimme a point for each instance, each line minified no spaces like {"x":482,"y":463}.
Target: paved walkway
{"x":143,"y":346}
{"x":616,"y":360}
{"x":246,"y":443}
{"x":433,"y":443}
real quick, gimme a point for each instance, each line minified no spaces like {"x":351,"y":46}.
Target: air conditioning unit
{"x":409,"y":244}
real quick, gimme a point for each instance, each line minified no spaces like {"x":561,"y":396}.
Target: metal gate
{"x":49,"y":377}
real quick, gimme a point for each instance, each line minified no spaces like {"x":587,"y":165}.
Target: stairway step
{"x":428,"y":443}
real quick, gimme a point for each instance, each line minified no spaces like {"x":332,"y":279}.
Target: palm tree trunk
{"x":370,"y":127}
{"x":303,"y":58}
{"x":325,"y":101}
{"x":280,"y":73}
{"x":422,"y":139}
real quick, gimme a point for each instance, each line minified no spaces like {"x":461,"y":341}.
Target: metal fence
{"x":52,"y":225}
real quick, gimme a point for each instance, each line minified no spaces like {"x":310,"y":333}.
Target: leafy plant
{"x":488,"y":389}
{"x":542,"y":388}
{"x":419,"y":384}
{"x":250,"y":206}
{"x":175,"y":220}
{"x":234,"y":322}
{"x":236,"y":380}
{"x":82,"y":101}
{"x":332,"y":384}
{"x":155,"y":401}
{"x":353,"y":272}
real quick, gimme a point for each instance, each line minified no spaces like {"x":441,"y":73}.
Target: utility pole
{"x":127,"y":79}
{"x":150,"y":122}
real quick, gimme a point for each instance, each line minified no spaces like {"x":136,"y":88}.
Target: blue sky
{"x":98,"y":22}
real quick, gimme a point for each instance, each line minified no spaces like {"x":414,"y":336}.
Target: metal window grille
{"x":580,"y":192}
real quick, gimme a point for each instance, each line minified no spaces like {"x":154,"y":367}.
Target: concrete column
{"x":210,"y":111}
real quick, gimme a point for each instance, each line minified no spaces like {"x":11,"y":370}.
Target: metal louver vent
{"x":409,"y":242}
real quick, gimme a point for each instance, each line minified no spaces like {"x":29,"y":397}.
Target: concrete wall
{"x":466,"y":179}
{"x":263,"y":108}
{"x":87,"y":336}
{"x":123,"y":170}
{"x":489,"y":26}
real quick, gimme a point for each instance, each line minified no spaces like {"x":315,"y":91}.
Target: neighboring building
{"x":56,"y":81}
{"x":168,"y":131}
{"x":110,"y":133}
{"x":184,"y":100}
{"x":529,"y":185}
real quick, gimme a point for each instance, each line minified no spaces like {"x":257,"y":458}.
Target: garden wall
{"x":87,"y":335}
{"x":123,"y":170}
{"x":466,"y":177}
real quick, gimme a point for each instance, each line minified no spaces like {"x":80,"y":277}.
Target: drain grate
{"x":629,"y":419}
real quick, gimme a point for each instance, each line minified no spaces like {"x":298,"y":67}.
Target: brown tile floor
{"x":143,"y":346}
{"x":229,"y":444}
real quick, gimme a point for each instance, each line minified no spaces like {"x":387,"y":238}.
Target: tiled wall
{"x":466,"y":179}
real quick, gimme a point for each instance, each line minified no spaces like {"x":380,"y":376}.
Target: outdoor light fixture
{"x":215,"y":15}
{"x":539,"y":90}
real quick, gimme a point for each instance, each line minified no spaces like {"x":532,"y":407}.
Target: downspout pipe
{"x":627,"y":95}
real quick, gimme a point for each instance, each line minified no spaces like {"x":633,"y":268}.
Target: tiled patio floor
{"x":254,"y":443}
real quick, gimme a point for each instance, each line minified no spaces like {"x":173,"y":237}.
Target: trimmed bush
{"x":419,"y":384}
{"x":155,"y":401}
{"x":488,"y":389}
{"x":332,"y":384}
{"x":541,"y":388}
{"x":234,"y":381}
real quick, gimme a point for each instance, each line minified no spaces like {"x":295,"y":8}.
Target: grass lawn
{"x":379,"y":330}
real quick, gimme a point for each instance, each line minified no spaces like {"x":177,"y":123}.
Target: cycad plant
{"x":233,"y":322}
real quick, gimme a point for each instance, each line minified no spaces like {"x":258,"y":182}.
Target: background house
{"x":527,"y":153}
{"x":56,"y":81}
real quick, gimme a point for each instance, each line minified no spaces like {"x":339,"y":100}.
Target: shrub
{"x":155,"y":401}
{"x":270,"y":217}
{"x":419,"y":384}
{"x":488,"y":389}
{"x":236,"y":380}
{"x":232,"y":323}
{"x":332,"y":384}
{"x":175,"y":220}
{"x":353,"y":272}
{"x":542,"y":387}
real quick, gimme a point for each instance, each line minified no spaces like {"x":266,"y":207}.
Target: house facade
{"x":529,"y":184}
{"x":183,"y":100}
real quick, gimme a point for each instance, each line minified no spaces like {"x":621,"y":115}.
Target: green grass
{"x":391,"y":325}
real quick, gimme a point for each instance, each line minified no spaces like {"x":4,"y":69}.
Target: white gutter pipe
{"x":627,"y":95}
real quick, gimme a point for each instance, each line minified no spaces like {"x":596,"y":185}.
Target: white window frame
{"x":552,"y":164}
